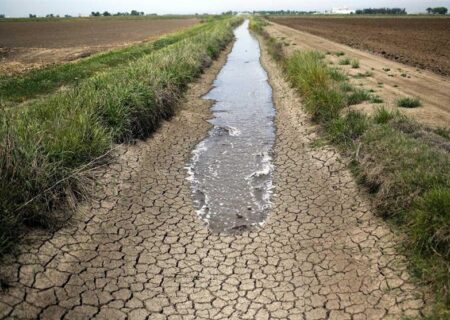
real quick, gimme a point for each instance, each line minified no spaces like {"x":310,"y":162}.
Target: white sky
{"x":18,"y":8}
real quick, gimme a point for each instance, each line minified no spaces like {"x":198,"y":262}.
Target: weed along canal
{"x":231,"y":171}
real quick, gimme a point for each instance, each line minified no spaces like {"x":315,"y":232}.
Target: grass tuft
{"x":344,"y":61}
{"x":344,"y":130}
{"x":408,"y":102}
{"x":443,"y":132}
{"x":366,"y":74}
{"x":358,"y":96}
{"x":383,"y":115}
{"x":375,"y":99}
{"x":355,"y":63}
{"x":337,"y":75}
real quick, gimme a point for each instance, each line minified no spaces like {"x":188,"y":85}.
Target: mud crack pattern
{"x":139,"y":251}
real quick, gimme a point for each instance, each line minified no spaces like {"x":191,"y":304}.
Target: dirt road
{"x":390,"y":80}
{"x":139,"y":251}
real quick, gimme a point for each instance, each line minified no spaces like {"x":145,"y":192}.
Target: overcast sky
{"x":18,"y":8}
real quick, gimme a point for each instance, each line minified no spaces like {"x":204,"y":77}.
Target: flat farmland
{"x":28,"y":44}
{"x":422,"y":42}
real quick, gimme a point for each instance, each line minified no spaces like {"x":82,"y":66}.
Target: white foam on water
{"x":265,"y":186}
{"x":234,"y":132}
{"x":228,"y":130}
{"x":202,"y":211}
{"x":267,"y":166}
{"x":196,"y":153}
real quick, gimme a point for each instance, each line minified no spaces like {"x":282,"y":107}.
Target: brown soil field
{"x":417,"y":41}
{"x":25,"y":45}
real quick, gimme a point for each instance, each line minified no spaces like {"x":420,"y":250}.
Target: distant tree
{"x":32,"y":15}
{"x":142,"y":13}
{"x":429,"y":10}
{"x":106,"y":14}
{"x":440,"y":10}
{"x":2,"y":16}
{"x":50,"y":15}
{"x":67,"y":16}
{"x":95,"y":14}
{"x":134,"y":13}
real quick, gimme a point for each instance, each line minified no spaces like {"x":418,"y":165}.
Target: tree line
{"x":107,"y":14}
{"x":381,"y":11}
{"x":94,"y":14}
{"x":437,"y":10}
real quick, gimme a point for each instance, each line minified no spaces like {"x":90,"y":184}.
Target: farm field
{"x":29,"y":44}
{"x":421,"y":42}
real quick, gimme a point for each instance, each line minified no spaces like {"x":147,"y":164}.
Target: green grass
{"x":366,"y":74}
{"x":355,"y":63}
{"x":407,"y":176}
{"x":346,"y":87}
{"x":375,"y":99}
{"x":383,"y":116}
{"x":46,"y":144}
{"x":443,"y":132}
{"x":408,"y":102}
{"x":337,"y":74}
{"x":358,"y":96}
{"x":344,"y":61}
{"x":18,"y":88}
{"x":344,"y":130}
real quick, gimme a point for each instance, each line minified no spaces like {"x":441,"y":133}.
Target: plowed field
{"x":25,"y":45}
{"x":418,"y":41}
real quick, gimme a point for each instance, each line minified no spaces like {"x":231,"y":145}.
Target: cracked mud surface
{"x":139,"y":251}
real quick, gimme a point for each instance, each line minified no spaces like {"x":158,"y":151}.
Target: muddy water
{"x":231,"y":171}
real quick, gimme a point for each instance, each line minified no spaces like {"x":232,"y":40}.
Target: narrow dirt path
{"x":391,"y":80}
{"x":139,"y":251}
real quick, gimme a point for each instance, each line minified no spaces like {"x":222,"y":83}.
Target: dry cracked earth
{"x":137,"y":249}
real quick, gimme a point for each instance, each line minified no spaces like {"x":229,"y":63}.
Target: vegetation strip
{"x":403,"y":164}
{"x":44,"y":146}
{"x":18,"y":88}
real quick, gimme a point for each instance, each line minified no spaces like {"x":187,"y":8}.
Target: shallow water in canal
{"x":231,"y":170}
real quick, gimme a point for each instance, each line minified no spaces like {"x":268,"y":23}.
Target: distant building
{"x":340,"y":11}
